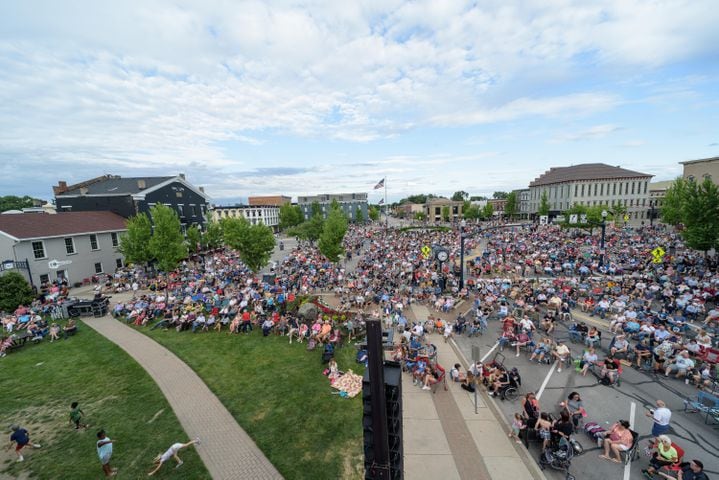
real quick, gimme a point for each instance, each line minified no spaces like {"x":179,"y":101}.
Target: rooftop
{"x":110,"y":185}
{"x":701,"y":160}
{"x":25,"y":226}
{"x":586,"y":171}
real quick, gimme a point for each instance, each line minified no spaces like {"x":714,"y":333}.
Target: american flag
{"x":381,"y":201}
{"x":380,"y":184}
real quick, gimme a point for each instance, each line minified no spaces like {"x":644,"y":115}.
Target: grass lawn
{"x":37,"y":385}
{"x":279,"y":396}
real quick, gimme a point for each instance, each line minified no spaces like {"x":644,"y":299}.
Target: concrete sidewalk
{"x":444,"y":438}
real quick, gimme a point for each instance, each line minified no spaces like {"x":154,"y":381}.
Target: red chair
{"x":441,"y":377}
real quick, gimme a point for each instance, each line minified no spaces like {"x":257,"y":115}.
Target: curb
{"x":530,"y":463}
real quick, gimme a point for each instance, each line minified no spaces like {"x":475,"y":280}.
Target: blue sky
{"x":298,"y":98}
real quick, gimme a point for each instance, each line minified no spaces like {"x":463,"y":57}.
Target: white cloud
{"x":591,"y":133}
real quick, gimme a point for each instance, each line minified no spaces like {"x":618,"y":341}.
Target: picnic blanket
{"x":350,"y":382}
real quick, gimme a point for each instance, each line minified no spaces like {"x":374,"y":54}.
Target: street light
{"x":462,"y":224}
{"x":601,"y":246}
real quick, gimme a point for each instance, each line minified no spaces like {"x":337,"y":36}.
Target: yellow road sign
{"x":626,"y":217}
{"x":426,"y":251}
{"x":658,"y":254}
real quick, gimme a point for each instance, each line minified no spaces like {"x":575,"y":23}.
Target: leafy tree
{"x":359,"y":216}
{"x":673,"y":202}
{"x":14,"y":291}
{"x":471,"y":212}
{"x":12,"y":202}
{"x":212,"y":237}
{"x":420,"y":216}
{"x":488,"y":211}
{"x":500,"y":195}
{"x":194,"y":238}
{"x":619,"y":212}
{"x":135,"y":243}
{"x":460,"y":196}
{"x":333,"y":233}
{"x":543,"y":205}
{"x":290,"y":216}
{"x":700,"y":215}
{"x":510,"y":209}
{"x":477,"y":198}
{"x":254,"y":243}
{"x":445,"y":213}
{"x":315,"y":209}
{"x":167,"y":244}
{"x":373,"y":212}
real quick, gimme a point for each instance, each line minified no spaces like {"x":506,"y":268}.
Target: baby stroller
{"x":558,"y":458}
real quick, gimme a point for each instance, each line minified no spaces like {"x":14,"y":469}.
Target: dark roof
{"x":43,"y":225}
{"x":111,"y":184}
{"x":586,"y":171}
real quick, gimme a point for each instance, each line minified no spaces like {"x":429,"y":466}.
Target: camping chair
{"x":441,"y":378}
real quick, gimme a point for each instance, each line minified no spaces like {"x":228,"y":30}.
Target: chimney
{"x":61,"y":187}
{"x":202,"y":189}
{"x":141,"y":184}
{"x":181,"y":175}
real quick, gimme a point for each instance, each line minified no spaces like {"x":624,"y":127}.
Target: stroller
{"x":558,"y":458}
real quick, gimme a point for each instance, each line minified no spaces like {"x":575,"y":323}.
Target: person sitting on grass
{"x":54,"y":332}
{"x":69,"y":329}
{"x":171,"y":452}
{"x":325,"y":331}
{"x":5,"y":344}
{"x":267,"y":326}
{"x":20,"y":437}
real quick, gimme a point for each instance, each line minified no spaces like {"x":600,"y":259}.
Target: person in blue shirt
{"x":20,"y":437}
{"x":104,"y":453}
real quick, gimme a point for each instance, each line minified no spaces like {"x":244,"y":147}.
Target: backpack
{"x":362,"y":357}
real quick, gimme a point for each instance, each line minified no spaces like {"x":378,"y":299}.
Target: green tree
{"x":477,"y":198}
{"x":420,"y":216}
{"x":315,"y":209}
{"x":254,"y":243}
{"x":12,"y":202}
{"x":460,"y":196}
{"x":373,"y":213}
{"x":619,"y":211}
{"x":14,"y":291}
{"x":543,"y":205}
{"x":333,"y":232}
{"x":700,"y":215}
{"x":290,"y":216}
{"x":510,"y":209}
{"x":212,"y":238}
{"x":471,"y":212}
{"x":194,"y":238}
{"x":135,"y":242}
{"x":488,"y":211}
{"x":500,"y":195}
{"x":673,"y":202}
{"x":359,"y":216}
{"x":167,"y":244}
{"x":445,"y":213}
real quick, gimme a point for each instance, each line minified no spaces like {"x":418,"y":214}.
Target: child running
{"x":172,"y":453}
{"x":76,"y":416}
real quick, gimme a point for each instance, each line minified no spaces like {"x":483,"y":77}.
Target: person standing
{"x":20,"y":437}
{"x":76,"y":415}
{"x":661,"y":416}
{"x":104,"y":452}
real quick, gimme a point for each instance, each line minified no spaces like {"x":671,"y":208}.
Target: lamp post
{"x":462,"y":224}
{"x":601,"y":246}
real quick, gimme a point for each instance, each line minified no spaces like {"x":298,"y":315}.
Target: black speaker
{"x":393,"y":401}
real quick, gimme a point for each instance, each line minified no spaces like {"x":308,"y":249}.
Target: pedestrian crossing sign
{"x":426,"y":251}
{"x":658,"y":254}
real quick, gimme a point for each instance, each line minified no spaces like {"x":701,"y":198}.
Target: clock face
{"x":442,"y":256}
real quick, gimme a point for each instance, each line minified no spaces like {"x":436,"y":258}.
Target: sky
{"x":297,"y":98}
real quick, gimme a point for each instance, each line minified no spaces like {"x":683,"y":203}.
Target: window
{"x":633,"y":187}
{"x":44,"y":278}
{"x":98,"y":267}
{"x":614,"y":188}
{"x":582,"y":189}
{"x":178,"y":194}
{"x":115,"y":240}
{"x":69,"y":246}
{"x":181,"y":210}
{"x":595,"y":189}
{"x":38,"y":250}
{"x":118,"y":263}
{"x":645,"y":186}
{"x":601,"y":189}
{"x":575,"y":189}
{"x":93,"y":242}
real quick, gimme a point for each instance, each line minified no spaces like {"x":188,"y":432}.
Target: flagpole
{"x":386,"y":205}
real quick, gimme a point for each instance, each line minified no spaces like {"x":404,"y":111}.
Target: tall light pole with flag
{"x":383,"y":184}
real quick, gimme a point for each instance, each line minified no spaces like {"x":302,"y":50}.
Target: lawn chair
{"x":633,"y":452}
{"x":703,"y":402}
{"x":441,"y":378}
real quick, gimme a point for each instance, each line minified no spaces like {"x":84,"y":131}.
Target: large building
{"x":348,"y":202}
{"x":434,"y":207}
{"x":266,"y":214}
{"x":72,"y":245}
{"x":522,"y":202}
{"x":130,"y":196}
{"x":592,"y":184}
{"x":698,"y":170}
{"x":276,"y":200}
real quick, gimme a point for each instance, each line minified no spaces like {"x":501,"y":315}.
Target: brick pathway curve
{"x":227,"y":451}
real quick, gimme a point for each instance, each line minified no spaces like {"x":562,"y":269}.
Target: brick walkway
{"x":227,"y":451}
